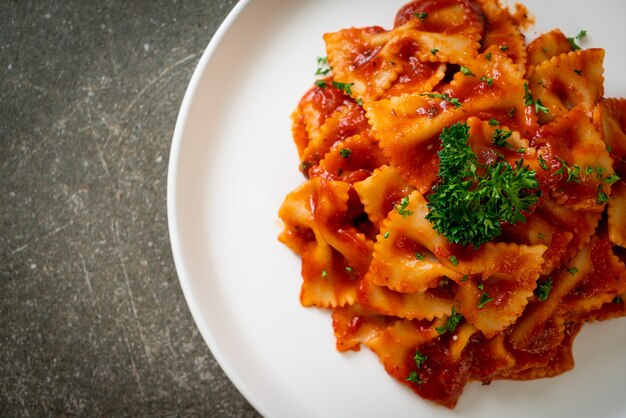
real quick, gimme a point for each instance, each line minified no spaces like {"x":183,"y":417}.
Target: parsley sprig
{"x":472,"y":200}
{"x":543,"y":289}
{"x":419,"y":360}
{"x":345,"y":152}
{"x":451,"y":323}
{"x":500,"y":136}
{"x":345,"y":87}
{"x":573,"y":171}
{"x":323,"y":68}
{"x":445,"y":96}
{"x":579,"y":36}
{"x":484,"y":299}
{"x":530,"y":101}
{"x":402,"y":207}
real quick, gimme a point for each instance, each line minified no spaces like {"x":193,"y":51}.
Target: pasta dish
{"x":463,"y":212}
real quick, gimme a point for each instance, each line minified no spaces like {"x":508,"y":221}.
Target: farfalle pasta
{"x":464,"y":208}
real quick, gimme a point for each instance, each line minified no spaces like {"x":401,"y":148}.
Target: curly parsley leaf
{"x":500,"y":136}
{"x":402,"y":207}
{"x":414,"y":378}
{"x":322,"y":66}
{"x":543,"y":289}
{"x":472,"y":200}
{"x":466,"y":71}
{"x":611,"y":179}
{"x":602,"y":197}
{"x":579,"y":36}
{"x":451,"y":323}
{"x":542,"y":163}
{"x":419,"y":359}
{"x":444,"y":96}
{"x":488,"y":80}
{"x":345,"y":87}
{"x":484,"y":299}
{"x":530,"y":101}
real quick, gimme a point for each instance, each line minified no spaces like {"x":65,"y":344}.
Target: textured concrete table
{"x":93,"y":321}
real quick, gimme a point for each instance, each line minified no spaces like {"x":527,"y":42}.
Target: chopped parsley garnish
{"x":434,"y":51}
{"x":541,"y":235}
{"x":444,"y":282}
{"x":573,"y":174}
{"x":484,"y":299}
{"x":464,"y":278}
{"x":500,"y":136}
{"x":573,"y":171}
{"x":572,"y":40}
{"x":543,"y":289}
{"x":322,"y":66}
{"x":444,"y":96}
{"x":572,"y":270}
{"x":402,"y":208}
{"x":468,"y":208}
{"x":345,"y":87}
{"x":488,"y":56}
{"x":611,"y":179}
{"x":386,"y":235}
{"x":359,"y":102}
{"x":486,"y":79}
{"x":529,"y":101}
{"x":414,"y":378}
{"x":320,"y":83}
{"x":419,"y":256}
{"x":617,"y":299}
{"x":467,"y":71}
{"x":542,"y":163}
{"x":419,"y":359}
{"x":589,"y":170}
{"x":451,"y":323}
{"x":493,"y":122}
{"x":345,"y":152}
{"x":454,"y":261}
{"x":504,"y":48}
{"x":421,"y":15}
{"x":349,"y":269}
{"x":324,"y":273}
{"x":602,"y":197}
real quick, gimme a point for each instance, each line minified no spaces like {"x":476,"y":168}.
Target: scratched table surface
{"x":92,"y":318}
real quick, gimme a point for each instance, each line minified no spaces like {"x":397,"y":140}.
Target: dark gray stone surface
{"x":92,"y":318}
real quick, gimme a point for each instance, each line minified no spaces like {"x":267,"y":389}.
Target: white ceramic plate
{"x":232,"y":162}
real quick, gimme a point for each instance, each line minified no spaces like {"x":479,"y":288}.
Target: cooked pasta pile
{"x":464,"y":209}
